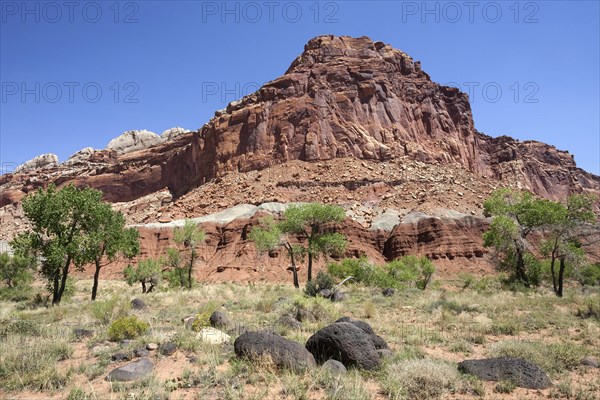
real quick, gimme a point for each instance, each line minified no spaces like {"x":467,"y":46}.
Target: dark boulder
{"x":132,"y":371}
{"x":326,"y":293}
{"x":344,"y":342}
{"x":377,"y":341}
{"x":523,"y":373}
{"x":288,"y":321}
{"x":388,"y":292}
{"x":138,"y":304}
{"x":121,"y":356}
{"x":335,"y":367}
{"x":167,"y":348}
{"x":219,"y":320}
{"x":80,"y":333}
{"x":285,"y":353}
{"x":338,"y":296}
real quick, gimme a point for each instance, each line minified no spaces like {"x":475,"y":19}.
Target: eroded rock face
{"x":41,"y":161}
{"x":80,"y":156}
{"x":133,"y":140}
{"x":172,"y":133}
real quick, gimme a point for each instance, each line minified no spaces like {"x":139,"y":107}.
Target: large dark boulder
{"x":346,"y":343}
{"x":378,"y":341}
{"x":167,"y":348}
{"x":132,"y":371}
{"x":522,"y":373}
{"x":138,"y":304}
{"x":289,"y":322}
{"x":285,"y":353}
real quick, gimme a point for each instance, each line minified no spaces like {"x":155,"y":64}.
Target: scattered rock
{"x":132,"y":371}
{"x":388,"y":292}
{"x":522,"y":373}
{"x":218,"y":319}
{"x":338,"y":296}
{"x":192,"y":359}
{"x":285,"y":353}
{"x":213,"y":336}
{"x":141,"y":352}
{"x":288,"y":321}
{"x":335,"y":367}
{"x":81,"y":333}
{"x":188,"y":322}
{"x":80,"y":157}
{"x":121,"y":356}
{"x":138,"y":304}
{"x":305,"y":316}
{"x":590,"y":361}
{"x":326,"y":293}
{"x":151,"y":346}
{"x":345,"y":342}
{"x":167,"y":349}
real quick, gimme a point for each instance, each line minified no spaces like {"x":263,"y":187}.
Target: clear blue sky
{"x":160,"y":64}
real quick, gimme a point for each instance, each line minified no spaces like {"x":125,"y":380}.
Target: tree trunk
{"x":55,"y":284}
{"x":554,"y":282}
{"x":521,"y":274}
{"x":63,"y":282}
{"x":561,"y":274}
{"x":150,"y":288}
{"x":143,"y":287}
{"x":310,"y":262}
{"x":294,"y":269}
{"x":192,"y":256}
{"x":96,"y":277}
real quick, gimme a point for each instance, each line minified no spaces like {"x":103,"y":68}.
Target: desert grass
{"x":428,"y":332}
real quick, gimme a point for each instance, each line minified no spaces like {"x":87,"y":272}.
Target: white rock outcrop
{"x":79,"y":157}
{"x":133,"y":140}
{"x":172,"y":133}
{"x":41,"y":161}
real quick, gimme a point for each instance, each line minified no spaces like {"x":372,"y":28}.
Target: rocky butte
{"x":353,"y":122}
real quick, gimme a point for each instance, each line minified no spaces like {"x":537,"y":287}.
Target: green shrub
{"x":589,"y":275}
{"x":466,"y":279}
{"x":323,"y":281}
{"x":591,"y":308}
{"x":107,"y":310}
{"x":127,"y":328}
{"x":505,"y":387}
{"x":202,"y":318}
{"x":20,"y":327}
{"x":551,"y":357}
{"x":420,"y":379}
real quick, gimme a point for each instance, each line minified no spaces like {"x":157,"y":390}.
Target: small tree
{"x":59,"y":219}
{"x":15,"y":270}
{"x":308,"y":222}
{"x":190,"y":235}
{"x":147,"y":272}
{"x":176,"y":274}
{"x":107,"y":237}
{"x":569,"y":225}
{"x":516,"y":216}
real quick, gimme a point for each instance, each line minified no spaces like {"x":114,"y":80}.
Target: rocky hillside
{"x":352,"y":121}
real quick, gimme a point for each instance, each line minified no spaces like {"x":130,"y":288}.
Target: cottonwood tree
{"x":60,"y":222}
{"x":307,"y":223}
{"x":190,"y":235}
{"x":15,"y":270}
{"x":516,"y":214}
{"x":106,"y":238}
{"x":570,"y":224}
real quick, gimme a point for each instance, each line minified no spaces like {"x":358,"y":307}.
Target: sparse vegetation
{"x":127,"y":328}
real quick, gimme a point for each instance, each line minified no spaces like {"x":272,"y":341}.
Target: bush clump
{"x":551,"y":357}
{"x":127,"y":328}
{"x":420,"y":379}
{"x":323,"y":281}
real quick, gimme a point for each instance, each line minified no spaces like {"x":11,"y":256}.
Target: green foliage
{"x":322,"y":281}
{"x":589,"y":275}
{"x":406,"y":271}
{"x":591,"y":309}
{"x":190,"y":235}
{"x":107,"y":310}
{"x":127,"y":328}
{"x":147,"y":272}
{"x":551,"y":357}
{"x":202,"y":318}
{"x":71,"y":226}
{"x":15,"y":273}
{"x":176,"y":274}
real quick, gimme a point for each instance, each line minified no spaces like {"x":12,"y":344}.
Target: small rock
{"x":121,"y":356}
{"x":335,"y":367}
{"x":125,"y":342}
{"x":132,"y":371}
{"x":288,"y":321}
{"x":80,"y":333}
{"x":338,"y":296}
{"x":138,"y":304}
{"x":167,"y":349}
{"x":141,"y":352}
{"x":326,"y":293}
{"x":151,"y":346}
{"x":305,"y":316}
{"x":388,"y":292}
{"x":213,"y":336}
{"x":218,"y":319}
{"x":590,"y":361}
